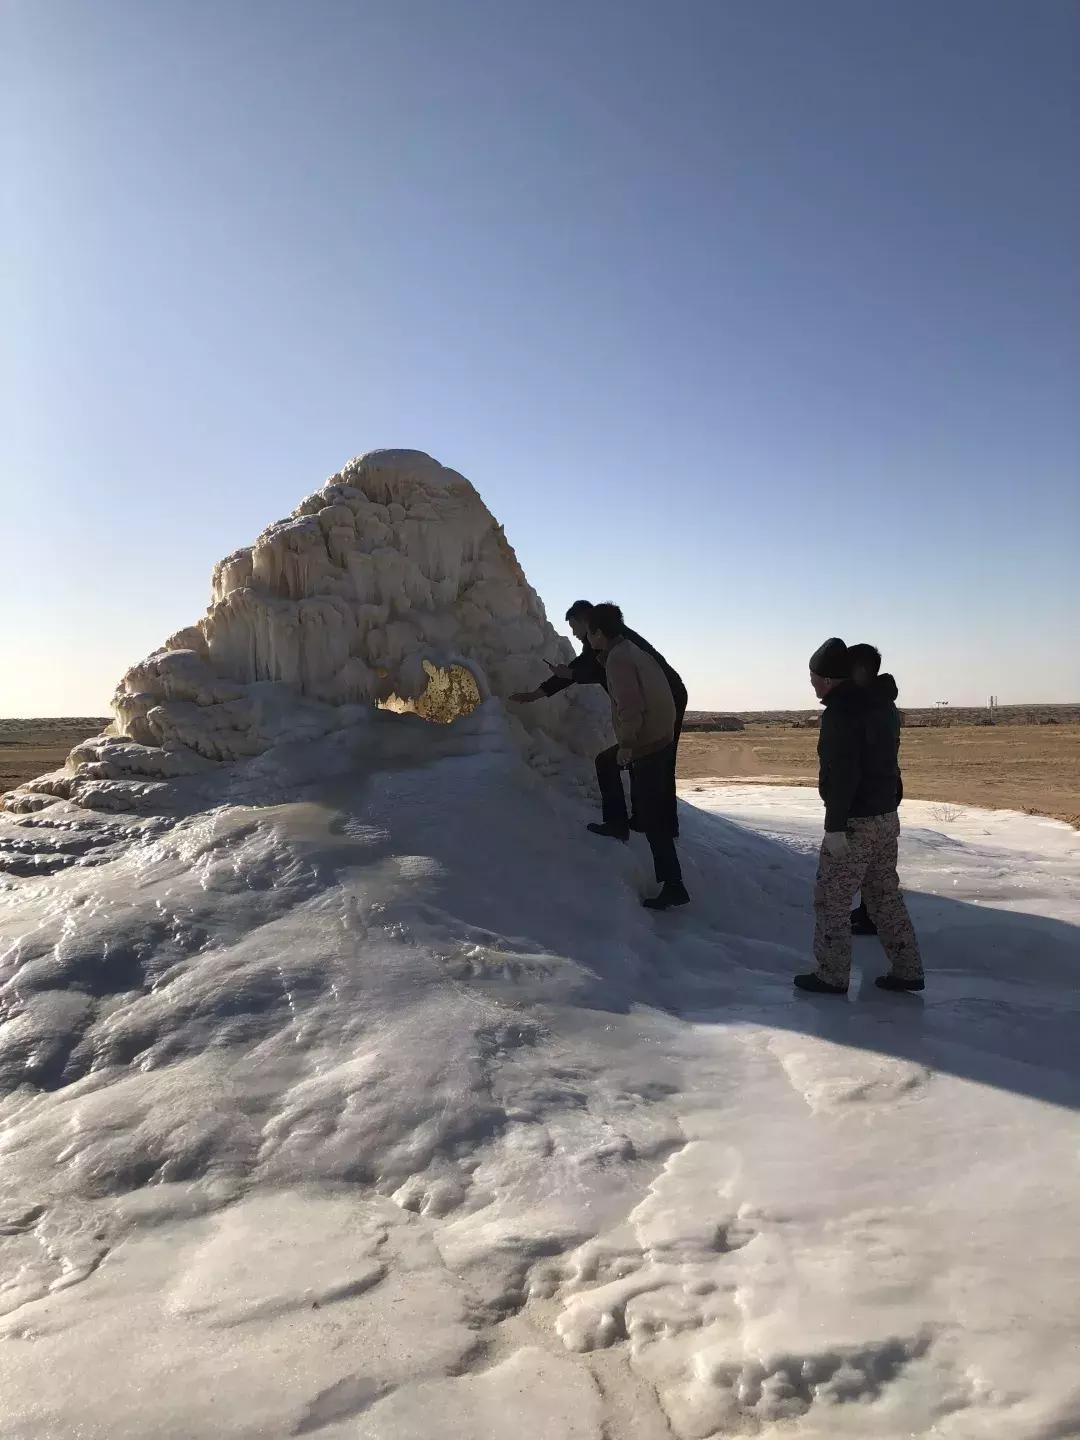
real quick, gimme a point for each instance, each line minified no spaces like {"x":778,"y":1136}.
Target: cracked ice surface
{"x":378,"y":1108}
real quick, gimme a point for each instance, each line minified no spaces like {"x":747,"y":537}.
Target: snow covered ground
{"x":370,"y":1103}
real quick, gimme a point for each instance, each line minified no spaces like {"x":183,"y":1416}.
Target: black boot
{"x":611,"y":831}
{"x":673,"y":893}
{"x":861,"y":924}
{"x":817,"y":986}
{"x":899,"y":982}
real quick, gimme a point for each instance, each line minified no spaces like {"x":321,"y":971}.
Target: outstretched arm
{"x":584,"y":669}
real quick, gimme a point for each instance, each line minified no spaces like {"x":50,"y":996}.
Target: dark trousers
{"x":609,"y":778}
{"x":612,"y":795}
{"x":665,"y":858}
{"x":652,"y":795}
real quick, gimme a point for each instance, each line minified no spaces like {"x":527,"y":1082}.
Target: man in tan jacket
{"x":643,"y":714}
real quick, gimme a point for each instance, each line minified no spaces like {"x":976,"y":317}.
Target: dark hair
{"x":865,"y":657}
{"x":580,"y":610}
{"x":607,"y":619}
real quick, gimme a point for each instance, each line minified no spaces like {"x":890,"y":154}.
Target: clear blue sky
{"x":762,"y":318}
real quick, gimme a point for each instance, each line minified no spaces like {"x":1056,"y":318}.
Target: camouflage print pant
{"x":870,"y":864}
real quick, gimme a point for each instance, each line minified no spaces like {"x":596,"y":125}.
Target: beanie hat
{"x":831,"y":660}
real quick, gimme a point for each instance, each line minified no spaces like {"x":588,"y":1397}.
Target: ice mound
{"x":391,"y":586}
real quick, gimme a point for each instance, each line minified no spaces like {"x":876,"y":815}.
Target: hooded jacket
{"x":858,"y":752}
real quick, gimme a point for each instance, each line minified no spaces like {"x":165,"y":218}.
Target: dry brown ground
{"x":1012,"y":767}
{"x":32,"y":747}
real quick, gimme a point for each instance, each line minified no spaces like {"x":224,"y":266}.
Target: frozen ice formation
{"x":391,"y":586}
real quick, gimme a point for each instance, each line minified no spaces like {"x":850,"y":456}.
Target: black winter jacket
{"x":858,"y":752}
{"x":588,"y":669}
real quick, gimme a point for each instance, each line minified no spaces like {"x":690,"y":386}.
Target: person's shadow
{"x":1001,"y":1007}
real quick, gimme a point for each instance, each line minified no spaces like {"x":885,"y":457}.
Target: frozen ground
{"x":374,"y":1106}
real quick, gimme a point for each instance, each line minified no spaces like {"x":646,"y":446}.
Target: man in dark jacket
{"x":859,"y":779}
{"x":588,"y":669}
{"x":865,"y":665}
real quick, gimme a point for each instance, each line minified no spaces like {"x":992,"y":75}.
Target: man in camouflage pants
{"x":859,"y":781}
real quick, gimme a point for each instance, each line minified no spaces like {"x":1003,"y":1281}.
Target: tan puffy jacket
{"x":642,"y":707}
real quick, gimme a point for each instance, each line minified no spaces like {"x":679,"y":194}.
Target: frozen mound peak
{"x":392,"y":586}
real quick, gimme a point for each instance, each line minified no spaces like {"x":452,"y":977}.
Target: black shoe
{"x":817,"y":986}
{"x":669,"y":896}
{"x":899,"y":982}
{"x":612,"y":832}
{"x":861,"y":924}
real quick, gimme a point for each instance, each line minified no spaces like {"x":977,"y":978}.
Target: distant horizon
{"x":697,"y":709}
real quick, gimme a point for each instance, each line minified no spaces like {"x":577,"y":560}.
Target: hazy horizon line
{"x":700,"y":710}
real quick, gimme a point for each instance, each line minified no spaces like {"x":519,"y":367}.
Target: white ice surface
{"x":373,"y":1105}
